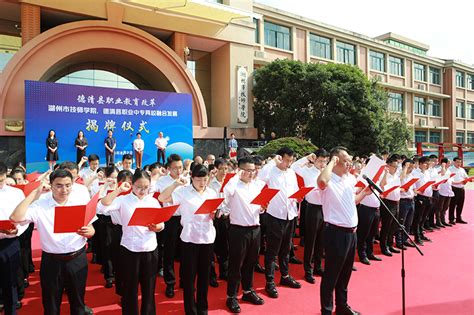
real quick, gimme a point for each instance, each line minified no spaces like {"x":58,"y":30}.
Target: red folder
{"x":440,"y":182}
{"x":303,"y":191}
{"x":408,"y":184}
{"x":426,"y":185}
{"x":379,"y":173}
{"x":156,"y":194}
{"x":300,"y":181}
{"x":6,"y":225}
{"x":69,"y":219}
{"x":265,"y":196}
{"x":388,"y":191}
{"x":80,"y":181}
{"x":28,"y":188}
{"x":227,"y":177}
{"x":209,"y":206}
{"x":122,"y":193}
{"x":147,"y":216}
{"x":360,"y":184}
{"x":32,"y":176}
{"x":469,"y":179}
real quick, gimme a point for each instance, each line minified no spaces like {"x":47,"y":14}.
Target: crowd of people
{"x":335,"y":220}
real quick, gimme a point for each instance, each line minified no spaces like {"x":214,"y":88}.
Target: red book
{"x":469,"y":179}
{"x":408,"y":184}
{"x":227,"y":178}
{"x":122,"y":193}
{"x":147,"y":216}
{"x":28,"y":188}
{"x":209,"y":206}
{"x":156,"y":194}
{"x":440,"y":182}
{"x":379,"y":173}
{"x":6,"y":225}
{"x":32,"y":176}
{"x":303,"y":191}
{"x":300,"y":181}
{"x":360,"y":184}
{"x":265,"y":196}
{"x":426,"y":185}
{"x":388,"y":191}
{"x":69,"y":219}
{"x":80,"y":181}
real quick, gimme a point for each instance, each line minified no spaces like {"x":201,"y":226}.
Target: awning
{"x":196,"y":8}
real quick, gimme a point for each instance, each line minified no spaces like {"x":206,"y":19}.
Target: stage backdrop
{"x":69,"y":108}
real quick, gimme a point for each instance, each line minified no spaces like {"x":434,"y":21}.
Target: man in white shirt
{"x":407,"y":205}
{"x":422,"y":199}
{"x":63,"y":262}
{"x":138,"y":147}
{"x":88,"y":172}
{"x":340,"y":214}
{"x":280,"y":212}
{"x":161,"y":144}
{"x":10,"y":263}
{"x":244,"y":234}
{"x":309,"y":167}
{"x":457,"y":202}
{"x":127,"y":161}
{"x":445,"y":194}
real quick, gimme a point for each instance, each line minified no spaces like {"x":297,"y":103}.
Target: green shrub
{"x":301,"y":147}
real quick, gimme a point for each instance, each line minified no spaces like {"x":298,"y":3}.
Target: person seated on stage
{"x":138,"y":250}
{"x":197,"y":237}
{"x":63,"y":262}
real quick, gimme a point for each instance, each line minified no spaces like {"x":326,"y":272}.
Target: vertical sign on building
{"x":242,"y":95}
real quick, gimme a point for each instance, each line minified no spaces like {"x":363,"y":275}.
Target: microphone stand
{"x":402,"y":229}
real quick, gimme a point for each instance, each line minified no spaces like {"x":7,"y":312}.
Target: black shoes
{"x":169,"y":292}
{"x":109,"y":283}
{"x":461,"y":221}
{"x":294,"y":260}
{"x":408,"y":244}
{"x":373,"y":257}
{"x":290,"y":282}
{"x":424,"y":238}
{"x":318,"y":271}
{"x":160,"y":272}
{"x":400,"y":246}
{"x":346,"y":311}
{"x":213,"y":283}
{"x":364,"y":260}
{"x":88,"y":310}
{"x":232,"y":305}
{"x":393,"y":250}
{"x":271,"y":290}
{"x":253,"y":298}
{"x":309,"y":277}
{"x":386,"y":251}
{"x":259,"y":268}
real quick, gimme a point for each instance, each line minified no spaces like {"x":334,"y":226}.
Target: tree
{"x":301,"y":147}
{"x":331,"y":104}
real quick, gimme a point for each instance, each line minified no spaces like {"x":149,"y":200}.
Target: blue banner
{"x":67,"y":109}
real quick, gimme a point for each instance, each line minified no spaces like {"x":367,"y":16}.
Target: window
{"x":320,"y":46}
{"x":346,"y":53}
{"x":377,"y":61}
{"x":460,"y":79}
{"x":460,"y":110}
{"x":420,"y":136}
{"x":435,"y":108}
{"x":256,"y":23}
{"x":396,"y":66}
{"x":420,"y":72}
{"x":420,"y":105}
{"x":277,"y":36}
{"x":470,"y":111}
{"x":460,"y":137}
{"x":470,"y":138}
{"x":395,"y":102}
{"x":435,"y":136}
{"x":470,"y":81}
{"x":435,"y":76}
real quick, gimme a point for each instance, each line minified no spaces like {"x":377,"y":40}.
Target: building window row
{"x":277,"y":36}
{"x":461,"y":80}
{"x":422,"y":136}
{"x":432,"y":107}
{"x":346,"y":53}
{"x":395,"y":102}
{"x":396,"y":66}
{"x":320,"y":46}
{"x":377,"y":61}
{"x":461,"y":110}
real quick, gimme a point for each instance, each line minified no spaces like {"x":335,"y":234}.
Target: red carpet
{"x":441,"y":282}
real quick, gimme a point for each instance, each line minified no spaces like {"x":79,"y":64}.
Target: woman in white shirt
{"x":198,"y":236}
{"x":138,"y":250}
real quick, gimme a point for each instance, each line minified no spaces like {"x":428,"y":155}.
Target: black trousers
{"x":457,"y":203}
{"x":314,"y":245}
{"x":434,"y":211}
{"x":279,"y":236}
{"x":140,"y":269}
{"x":116,"y":259}
{"x":109,"y":157}
{"x":195,"y":263}
{"x":366,"y":230}
{"x":25,"y":250}
{"x":9,"y":269}
{"x":221,"y":247}
{"x":389,"y":226}
{"x":161,"y":156}
{"x":303,"y":225}
{"x":422,"y":206}
{"x":105,"y":245}
{"x":58,"y":275}
{"x":443,"y":206}
{"x":339,"y":247}
{"x":245,"y":244}
{"x":170,"y":242}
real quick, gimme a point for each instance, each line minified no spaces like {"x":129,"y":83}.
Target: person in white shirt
{"x":340,"y":214}
{"x":10,"y":258}
{"x":63,"y":262}
{"x":244,"y":233}
{"x":198,"y":236}
{"x":161,"y":144}
{"x":434,"y":170}
{"x":309,"y":167}
{"x":407,"y":205}
{"x":87,"y":172}
{"x":445,"y":194}
{"x":138,"y":249}
{"x":138,"y":147}
{"x":170,"y":237}
{"x":279,"y":221}
{"x":457,"y":202}
{"x":127,"y":161}
{"x":422,"y":199}
{"x":392,"y":200}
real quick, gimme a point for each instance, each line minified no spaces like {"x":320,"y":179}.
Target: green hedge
{"x":301,"y":147}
